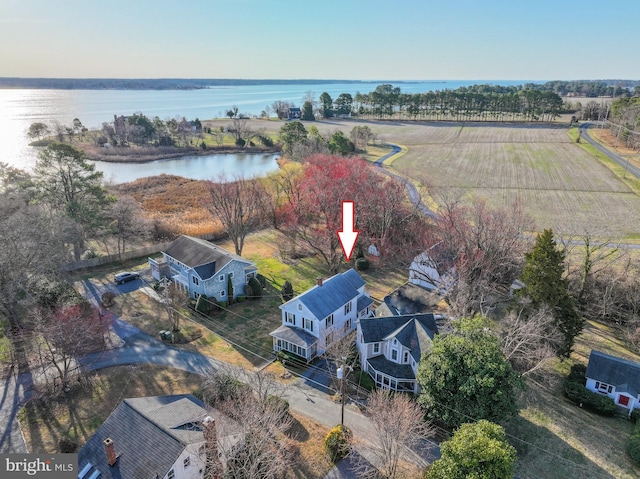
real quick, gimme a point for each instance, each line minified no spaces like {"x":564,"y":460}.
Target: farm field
{"x":562,"y":186}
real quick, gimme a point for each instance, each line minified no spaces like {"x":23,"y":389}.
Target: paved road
{"x":412,"y":191}
{"x":140,"y":348}
{"x":584,"y":130}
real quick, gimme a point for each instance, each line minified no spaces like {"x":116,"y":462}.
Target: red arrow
{"x":347,"y":235}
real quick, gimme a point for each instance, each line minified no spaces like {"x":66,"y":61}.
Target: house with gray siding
{"x":391,"y":347}
{"x":321,"y":315}
{"x":201,"y":267}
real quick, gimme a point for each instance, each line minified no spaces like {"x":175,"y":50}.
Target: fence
{"x":131,"y":254}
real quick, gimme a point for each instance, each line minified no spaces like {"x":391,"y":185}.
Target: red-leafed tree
{"x":64,"y":334}
{"x":312,"y":212}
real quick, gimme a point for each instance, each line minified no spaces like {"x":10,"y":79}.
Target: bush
{"x":256,"y":288}
{"x":633,"y":446}
{"x":204,"y":305}
{"x":240,"y":298}
{"x":287,"y":291}
{"x":278,"y":404}
{"x":262,"y":280}
{"x":337,"y":444}
{"x":108,"y":298}
{"x":364,"y":380}
{"x":635,"y":416}
{"x":266,"y":141}
{"x":578,"y":373}
{"x":240,"y":142}
{"x":67,"y":445}
{"x":362,"y":264}
{"x":598,"y":403}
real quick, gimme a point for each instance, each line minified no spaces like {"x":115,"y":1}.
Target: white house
{"x":430,"y":271}
{"x":155,"y":437}
{"x":616,"y":377}
{"x":325,"y":313}
{"x":200,"y":267}
{"x":391,"y":347}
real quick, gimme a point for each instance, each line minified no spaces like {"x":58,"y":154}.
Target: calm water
{"x":20,"y":108}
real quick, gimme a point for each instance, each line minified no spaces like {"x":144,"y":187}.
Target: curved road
{"x":584,"y":131}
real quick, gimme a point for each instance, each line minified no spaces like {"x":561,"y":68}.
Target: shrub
{"x":240,"y":298}
{"x":248,"y":291}
{"x":337,"y":444}
{"x":287,"y":291}
{"x":108,"y":298}
{"x":256,"y":288}
{"x":598,"y":403}
{"x":204,"y":304}
{"x":67,"y":445}
{"x":266,"y":141}
{"x":262,"y":280}
{"x":364,"y":380}
{"x":278,"y":404}
{"x":633,"y":446}
{"x":362,"y":264}
{"x":635,"y":416}
{"x":577,"y":373}
{"x":240,"y":142}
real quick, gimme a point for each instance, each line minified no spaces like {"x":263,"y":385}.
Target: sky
{"x":328,"y":39}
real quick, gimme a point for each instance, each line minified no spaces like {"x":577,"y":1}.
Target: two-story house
{"x":200,"y":267}
{"x":321,"y":315}
{"x":391,"y":347}
{"x":164,"y":437}
{"x":615,"y":377}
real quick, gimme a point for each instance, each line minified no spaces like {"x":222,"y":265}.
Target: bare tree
{"x":127,"y":221}
{"x":399,"y":427}
{"x":239,"y":205}
{"x":485,"y":247}
{"x":240,"y":129}
{"x":262,"y":419}
{"x":529,"y":340}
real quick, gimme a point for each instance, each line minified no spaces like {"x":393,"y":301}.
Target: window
{"x":230,"y":274}
{"x":347,"y":308}
{"x":329,"y":338}
{"x":290,"y":318}
{"x":394,"y":354}
{"x":221,"y":278}
{"x":187,"y":461}
{"x":347,"y":325}
{"x":195,"y":280}
{"x":603,"y":387}
{"x":171,"y":475}
{"x":623,"y":400}
{"x":376,"y":348}
{"x":406,"y":357}
{"x":299,"y":306}
{"x":328,"y":321}
{"x":308,"y":324}
{"x":222,"y":293}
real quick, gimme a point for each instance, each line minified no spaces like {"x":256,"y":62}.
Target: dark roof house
{"x":616,"y":377}
{"x":147,"y":438}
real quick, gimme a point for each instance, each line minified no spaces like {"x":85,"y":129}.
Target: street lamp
{"x":342,"y":376}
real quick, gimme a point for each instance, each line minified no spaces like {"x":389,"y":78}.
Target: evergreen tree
{"x":230,"y":292}
{"x":545,"y":284}
{"x":307,"y":111}
{"x":287,"y":291}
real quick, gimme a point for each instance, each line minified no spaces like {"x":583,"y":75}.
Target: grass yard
{"x":78,"y":415}
{"x":557,"y":439}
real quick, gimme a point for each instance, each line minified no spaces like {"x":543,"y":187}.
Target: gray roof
{"x":411,"y":299}
{"x":334,"y":293}
{"x":413,"y":331}
{"x":297,"y":336}
{"x":395,"y":370}
{"x":363,"y":302}
{"x":618,"y":372}
{"x":205,"y":257}
{"x":149,"y":434}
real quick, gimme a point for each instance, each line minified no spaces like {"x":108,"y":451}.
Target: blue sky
{"x":342,"y":39}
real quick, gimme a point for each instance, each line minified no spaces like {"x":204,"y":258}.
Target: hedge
{"x":337,"y":444}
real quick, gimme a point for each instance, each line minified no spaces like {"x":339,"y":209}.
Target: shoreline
{"x":147,"y":155}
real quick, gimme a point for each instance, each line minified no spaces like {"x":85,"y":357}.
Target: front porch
{"x":295,"y":341}
{"x":392,"y":376}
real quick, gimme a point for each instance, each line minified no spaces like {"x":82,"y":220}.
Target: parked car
{"x":123,"y":277}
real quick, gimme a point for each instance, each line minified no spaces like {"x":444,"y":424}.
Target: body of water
{"x":20,"y":108}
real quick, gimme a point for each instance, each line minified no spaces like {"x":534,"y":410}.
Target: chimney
{"x":319,"y":281}
{"x":211,"y":445}
{"x":110,"y":450}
